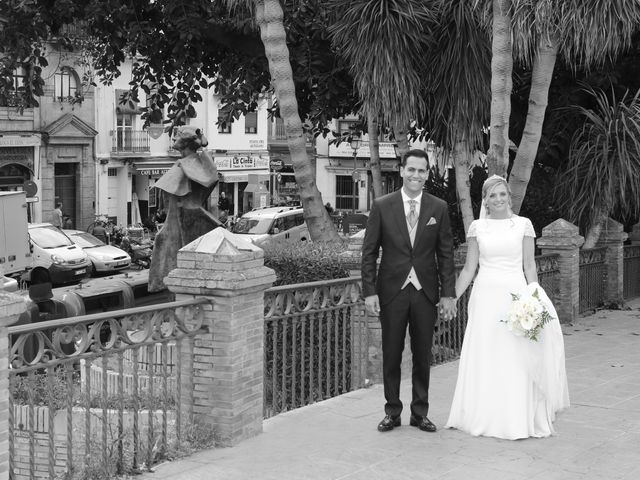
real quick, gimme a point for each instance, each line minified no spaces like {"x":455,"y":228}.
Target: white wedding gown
{"x":508,"y":386}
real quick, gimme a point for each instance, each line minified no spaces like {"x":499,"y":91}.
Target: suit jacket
{"x":431,"y":255}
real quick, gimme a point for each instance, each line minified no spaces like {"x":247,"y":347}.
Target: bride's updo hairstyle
{"x":492,"y":182}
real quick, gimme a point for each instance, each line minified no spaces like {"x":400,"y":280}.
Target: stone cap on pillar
{"x":11,"y":307}
{"x":560,"y":234}
{"x":219,"y":261}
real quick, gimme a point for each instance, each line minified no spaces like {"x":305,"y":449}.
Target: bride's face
{"x":498,"y":199}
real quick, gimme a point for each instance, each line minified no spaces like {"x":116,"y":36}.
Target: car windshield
{"x":254,"y":225}
{"x":49,"y":237}
{"x":86,"y":240}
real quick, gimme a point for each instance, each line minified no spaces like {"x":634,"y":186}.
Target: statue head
{"x":187,"y":136}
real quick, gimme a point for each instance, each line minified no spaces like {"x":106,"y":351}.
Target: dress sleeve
{"x":473,"y":229}
{"x":528,"y":228}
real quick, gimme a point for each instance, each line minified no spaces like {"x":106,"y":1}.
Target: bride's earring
{"x":486,"y":208}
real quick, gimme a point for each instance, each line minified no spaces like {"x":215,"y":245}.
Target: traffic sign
{"x":30,"y":188}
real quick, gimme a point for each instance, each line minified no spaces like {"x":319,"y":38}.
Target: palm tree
{"x":459,"y":91}
{"x":586,"y":34}
{"x":269,"y":17}
{"x":384,"y":42}
{"x":603,"y":170}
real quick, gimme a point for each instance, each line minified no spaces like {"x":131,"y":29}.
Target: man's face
{"x":414,"y":175}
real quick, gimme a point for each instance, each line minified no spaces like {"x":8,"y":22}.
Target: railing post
{"x":612,"y":237}
{"x":634,"y":236}
{"x":562,"y":238}
{"x":371,"y":357}
{"x":11,"y":306}
{"x":227,"y":375}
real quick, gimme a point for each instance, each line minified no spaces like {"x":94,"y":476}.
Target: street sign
{"x":276,"y":164}
{"x":30,"y":188}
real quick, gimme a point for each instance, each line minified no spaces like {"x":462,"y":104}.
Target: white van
{"x":273,"y":224}
{"x":55,"y":258}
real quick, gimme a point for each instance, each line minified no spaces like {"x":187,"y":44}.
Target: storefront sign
{"x":152,"y":171}
{"x":276,"y":164}
{"x":344,"y":150}
{"x":257,"y":144}
{"x":241,"y":162}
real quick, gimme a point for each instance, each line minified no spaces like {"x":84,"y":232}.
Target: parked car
{"x":54,"y":257}
{"x":105,"y":258}
{"x":273,"y":224}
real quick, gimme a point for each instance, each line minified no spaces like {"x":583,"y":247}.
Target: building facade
{"x":48,"y":150}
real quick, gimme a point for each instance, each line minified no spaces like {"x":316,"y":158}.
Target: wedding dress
{"x":508,"y":386}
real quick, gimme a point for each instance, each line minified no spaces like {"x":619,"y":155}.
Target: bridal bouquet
{"x":527,"y":315}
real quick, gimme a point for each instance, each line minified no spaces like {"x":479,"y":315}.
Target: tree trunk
{"x":501,"y":84}
{"x":541,"y":74}
{"x":595,"y":229}
{"x":269,"y":16}
{"x":400,"y":132}
{"x":462,"y":163}
{"x":374,"y":154}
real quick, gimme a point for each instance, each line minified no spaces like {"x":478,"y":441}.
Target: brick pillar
{"x":634,"y":236}
{"x":372,"y":357}
{"x":612,"y":237}
{"x":11,"y":306}
{"x":562,"y":238}
{"x":227,"y":376}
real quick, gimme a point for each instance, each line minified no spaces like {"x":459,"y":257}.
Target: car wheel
{"x":40,"y":275}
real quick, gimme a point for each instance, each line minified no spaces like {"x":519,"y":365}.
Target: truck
{"x":15,"y":253}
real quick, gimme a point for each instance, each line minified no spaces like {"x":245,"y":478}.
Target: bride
{"x":508,"y":386}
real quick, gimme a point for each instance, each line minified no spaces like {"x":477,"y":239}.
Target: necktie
{"x":412,"y":218}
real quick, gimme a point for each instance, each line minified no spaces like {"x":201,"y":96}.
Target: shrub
{"x":305,"y":261}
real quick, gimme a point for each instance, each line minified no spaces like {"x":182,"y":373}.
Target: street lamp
{"x":355,"y":144}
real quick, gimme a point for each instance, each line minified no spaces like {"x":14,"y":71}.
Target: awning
{"x":234,"y":177}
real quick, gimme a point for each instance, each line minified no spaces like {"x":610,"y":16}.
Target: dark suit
{"x":432,"y":259}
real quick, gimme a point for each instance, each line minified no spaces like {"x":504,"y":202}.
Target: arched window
{"x":66,"y":85}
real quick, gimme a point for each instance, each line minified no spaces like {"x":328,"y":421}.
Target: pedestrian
{"x":67,"y":223}
{"x":56,"y":216}
{"x":223,"y":203}
{"x":415,"y":278}
{"x":509,"y":386}
{"x":100,"y":232}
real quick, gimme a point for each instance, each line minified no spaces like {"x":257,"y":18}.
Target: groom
{"x":416,"y":274}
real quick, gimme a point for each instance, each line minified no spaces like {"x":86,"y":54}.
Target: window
{"x":224,"y":120}
{"x":112,"y":172}
{"x":11,"y":95}
{"x":251,"y":122}
{"x":124,"y":131}
{"x":346,"y":188}
{"x":65,"y":86}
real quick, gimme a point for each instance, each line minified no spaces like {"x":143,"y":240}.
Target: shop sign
{"x":19,"y":141}
{"x":344,"y":150}
{"x":256,"y":144}
{"x":276,"y":164}
{"x":152,"y":171}
{"x":241,"y":162}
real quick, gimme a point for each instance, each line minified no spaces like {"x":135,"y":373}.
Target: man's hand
{"x":447,"y":307}
{"x":372,"y":304}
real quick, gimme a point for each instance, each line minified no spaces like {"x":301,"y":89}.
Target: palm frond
{"x":603,"y":170}
{"x":384,"y":43}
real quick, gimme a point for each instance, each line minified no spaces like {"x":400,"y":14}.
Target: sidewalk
{"x":598,"y":436}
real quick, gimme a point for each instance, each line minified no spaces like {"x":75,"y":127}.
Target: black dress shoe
{"x":423,"y":423}
{"x":388,"y":423}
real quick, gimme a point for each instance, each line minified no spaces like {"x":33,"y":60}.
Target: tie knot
{"x":412,"y":204}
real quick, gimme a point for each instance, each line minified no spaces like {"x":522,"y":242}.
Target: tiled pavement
{"x":598,"y":436}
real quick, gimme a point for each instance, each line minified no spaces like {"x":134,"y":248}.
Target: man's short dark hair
{"x":58,"y":205}
{"x":416,"y":152}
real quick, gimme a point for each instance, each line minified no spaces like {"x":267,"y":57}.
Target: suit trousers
{"x":410,"y":307}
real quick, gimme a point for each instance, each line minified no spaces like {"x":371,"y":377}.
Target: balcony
{"x":126,"y":142}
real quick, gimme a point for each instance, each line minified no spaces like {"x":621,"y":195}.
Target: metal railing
{"x":549,"y":274}
{"x":129,"y":141}
{"x":315,"y":343}
{"x":99,"y":392}
{"x":593,"y":278}
{"x":631,"y":271}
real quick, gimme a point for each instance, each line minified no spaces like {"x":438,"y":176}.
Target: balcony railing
{"x":129,"y":141}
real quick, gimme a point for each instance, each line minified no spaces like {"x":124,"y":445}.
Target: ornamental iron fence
{"x":593,"y":278}
{"x":315,"y":343}
{"x":99,"y":393}
{"x":631,"y":275}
